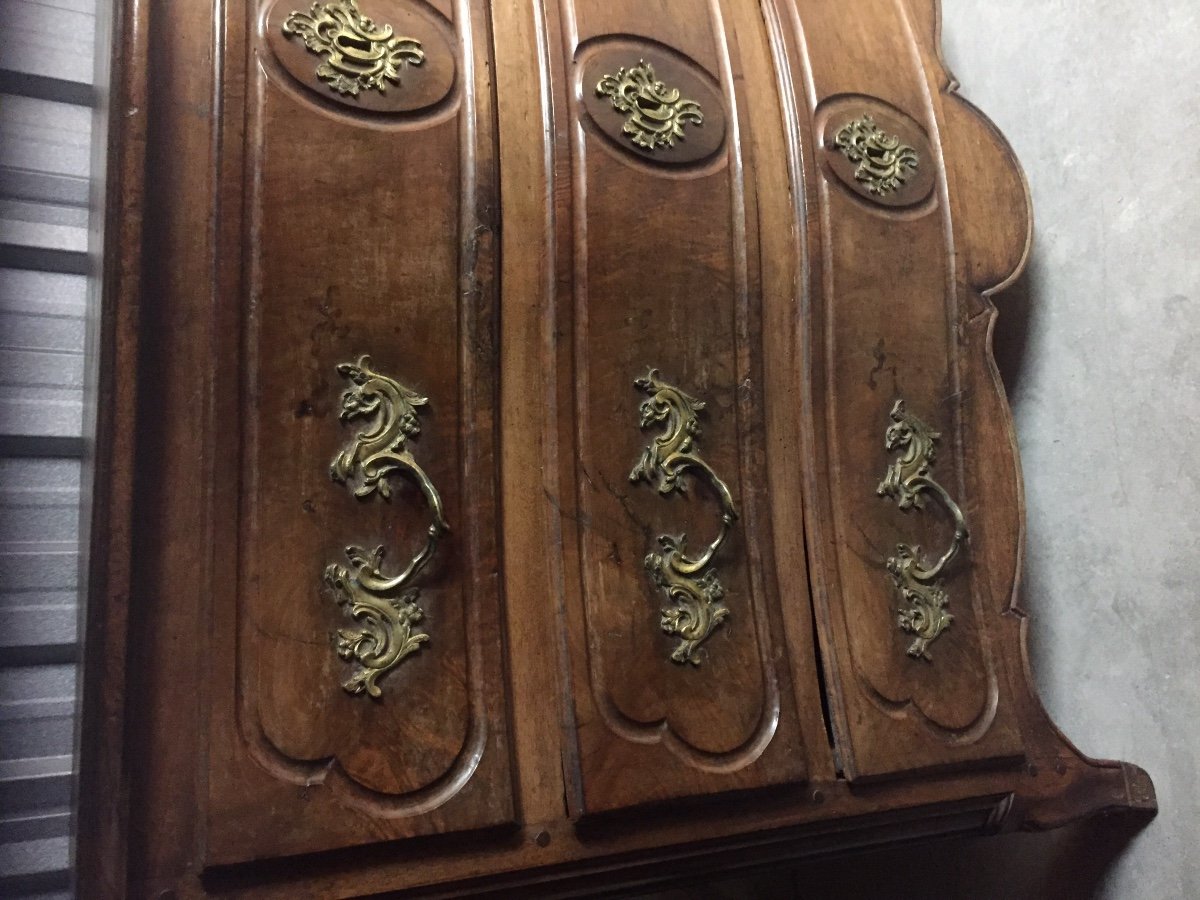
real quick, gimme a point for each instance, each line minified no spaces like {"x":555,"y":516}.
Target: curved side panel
{"x":910,"y":640}
{"x":368,"y":242}
{"x":676,"y":641}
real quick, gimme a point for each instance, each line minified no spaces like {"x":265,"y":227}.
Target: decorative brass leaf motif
{"x":654,"y":114}
{"x":385,"y":607}
{"x":387,"y":615}
{"x":695,"y":608}
{"x":358,"y":54}
{"x":884,"y":164}
{"x":908,"y":480}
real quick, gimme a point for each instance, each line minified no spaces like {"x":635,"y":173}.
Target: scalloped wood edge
{"x":1081,"y":786}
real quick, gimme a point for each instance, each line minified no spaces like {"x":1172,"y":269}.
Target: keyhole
{"x":346,"y":42}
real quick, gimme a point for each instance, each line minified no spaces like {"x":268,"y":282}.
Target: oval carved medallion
{"x":382,"y":56}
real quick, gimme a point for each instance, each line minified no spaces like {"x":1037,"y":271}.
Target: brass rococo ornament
{"x":695,"y":595}
{"x":384,"y":606}
{"x":386,"y":611}
{"x":908,"y":480}
{"x":884,"y":163}
{"x":358,"y":54}
{"x":654,"y":114}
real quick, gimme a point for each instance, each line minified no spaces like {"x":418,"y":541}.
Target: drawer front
{"x":677,"y":644}
{"x":358,"y":692}
{"x":906,"y":572}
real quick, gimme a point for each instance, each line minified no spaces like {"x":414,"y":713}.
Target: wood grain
{"x":498,"y":248}
{"x":884,"y":327}
{"x":382,"y":243}
{"x":650,"y":290}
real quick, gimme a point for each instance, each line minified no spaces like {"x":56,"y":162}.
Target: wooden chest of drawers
{"x":552,"y":443}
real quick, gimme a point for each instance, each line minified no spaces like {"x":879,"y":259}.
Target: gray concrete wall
{"x":1101,"y":356}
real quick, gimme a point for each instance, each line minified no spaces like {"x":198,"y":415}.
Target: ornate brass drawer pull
{"x":385,"y":606}
{"x":695,"y":608}
{"x":908,"y":480}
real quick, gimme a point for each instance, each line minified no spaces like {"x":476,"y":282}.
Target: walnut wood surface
{"x":498,"y":248}
{"x":884,"y":324}
{"x":650,"y":289}
{"x":378,"y":242}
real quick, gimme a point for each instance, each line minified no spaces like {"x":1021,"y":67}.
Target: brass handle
{"x":694,"y":593}
{"x":908,"y":481}
{"x":385,"y":606}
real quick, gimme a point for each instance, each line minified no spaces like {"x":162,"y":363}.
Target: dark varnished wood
{"x":884,"y":325}
{"x":220,"y":756}
{"x":649,"y":289}
{"x":431,"y":753}
{"x":101,"y":793}
{"x":237,"y":516}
